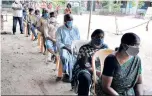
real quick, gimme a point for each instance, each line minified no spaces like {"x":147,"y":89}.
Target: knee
{"x":64,"y":55}
{"x":85,"y":78}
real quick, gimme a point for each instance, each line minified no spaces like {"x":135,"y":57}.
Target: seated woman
{"x":122,"y":70}
{"x":82,"y":71}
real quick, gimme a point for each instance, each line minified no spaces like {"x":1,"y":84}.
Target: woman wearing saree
{"x":122,"y":70}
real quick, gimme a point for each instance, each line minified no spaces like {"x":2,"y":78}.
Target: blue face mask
{"x":97,"y":41}
{"x":46,"y":15}
{"x":69,"y":23}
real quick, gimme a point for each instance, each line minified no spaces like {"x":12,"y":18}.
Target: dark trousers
{"x":20,"y":20}
{"x":84,"y":84}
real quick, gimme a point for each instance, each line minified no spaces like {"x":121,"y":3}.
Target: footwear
{"x":13,"y":33}
{"x":66,"y":78}
{"x":22,"y":33}
{"x":58,"y":79}
{"x":53,"y":59}
{"x":35,"y":39}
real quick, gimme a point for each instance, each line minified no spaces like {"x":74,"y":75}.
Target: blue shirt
{"x":65,"y":36}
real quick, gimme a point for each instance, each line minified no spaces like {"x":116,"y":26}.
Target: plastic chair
{"x":25,"y":29}
{"x":101,"y":54}
{"x":76,"y":44}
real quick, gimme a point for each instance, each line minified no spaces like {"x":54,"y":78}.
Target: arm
{"x":107,"y":75}
{"x":78,"y":33}
{"x":59,"y":39}
{"x":106,"y":85}
{"x":46,"y":33}
{"x":139,"y":87}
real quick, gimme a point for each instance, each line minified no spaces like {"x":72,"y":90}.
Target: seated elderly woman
{"x":122,"y":70}
{"x":82,"y":71}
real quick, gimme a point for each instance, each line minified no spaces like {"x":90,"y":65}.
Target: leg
{"x":44,"y":44}
{"x":28,"y":28}
{"x":20,"y":19}
{"x":84,"y":84}
{"x":2,"y":22}
{"x":65,"y":61}
{"x":14,"y":24}
{"x":33,"y":31}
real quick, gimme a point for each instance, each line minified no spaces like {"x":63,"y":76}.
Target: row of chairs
{"x":101,"y":54}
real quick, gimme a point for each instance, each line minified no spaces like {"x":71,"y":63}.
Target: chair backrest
{"x":76,"y":44}
{"x":101,"y":54}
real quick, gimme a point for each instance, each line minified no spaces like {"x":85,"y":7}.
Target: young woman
{"x":122,"y":70}
{"x":82,"y":71}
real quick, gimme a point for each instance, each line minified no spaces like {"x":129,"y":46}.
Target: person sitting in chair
{"x":122,"y":72}
{"x":82,"y":71}
{"x":44,"y":21}
{"x":65,"y":35}
{"x":49,"y":33}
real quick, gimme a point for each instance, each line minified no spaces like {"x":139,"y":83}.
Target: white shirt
{"x":17,"y":10}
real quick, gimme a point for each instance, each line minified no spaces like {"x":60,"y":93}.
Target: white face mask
{"x":131,"y":50}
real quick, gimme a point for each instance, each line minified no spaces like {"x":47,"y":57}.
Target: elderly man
{"x":65,"y":35}
{"x":17,"y":15}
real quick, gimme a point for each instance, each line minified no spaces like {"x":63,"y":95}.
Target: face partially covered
{"x":68,"y":20}
{"x":98,"y":40}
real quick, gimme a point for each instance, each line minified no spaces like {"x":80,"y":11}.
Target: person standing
{"x":68,"y":9}
{"x":17,"y":16}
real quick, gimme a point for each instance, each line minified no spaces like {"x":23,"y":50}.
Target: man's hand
{"x":67,"y":48}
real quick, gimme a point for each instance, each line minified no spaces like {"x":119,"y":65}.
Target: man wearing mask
{"x":65,"y":35}
{"x":17,"y":16}
{"x":49,"y":33}
{"x":44,"y":20}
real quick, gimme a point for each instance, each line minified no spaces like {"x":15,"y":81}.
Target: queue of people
{"x":122,"y":70}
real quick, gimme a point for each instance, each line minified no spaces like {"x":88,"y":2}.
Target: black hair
{"x":37,"y":11}
{"x":31,"y":9}
{"x":52,"y":14}
{"x":69,"y":5}
{"x":130,"y":39}
{"x":97,"y":32}
{"x":67,"y":17}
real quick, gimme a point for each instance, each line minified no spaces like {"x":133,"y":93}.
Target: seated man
{"x":49,"y":33}
{"x":31,"y":23}
{"x":65,"y":35}
{"x":41,"y":23}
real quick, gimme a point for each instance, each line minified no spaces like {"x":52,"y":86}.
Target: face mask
{"x":46,"y":15}
{"x":98,"y":41}
{"x":69,"y":23}
{"x":132,"y":50}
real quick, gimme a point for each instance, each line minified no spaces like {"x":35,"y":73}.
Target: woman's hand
{"x":106,"y":85}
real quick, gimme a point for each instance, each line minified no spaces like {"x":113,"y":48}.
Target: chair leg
{"x":42,"y":45}
{"x":25,"y":29}
{"x":39,"y":37}
{"x":32,"y":37}
{"x":57,"y":62}
{"x":60,"y":70}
